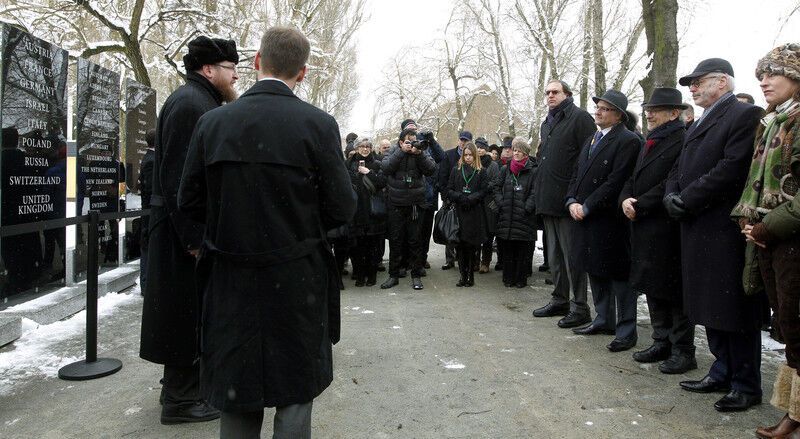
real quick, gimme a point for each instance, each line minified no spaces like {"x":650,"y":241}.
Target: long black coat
{"x":490,"y":209}
{"x":655,"y":237}
{"x":266,"y":175}
{"x":600,"y":243}
{"x":710,"y":175}
{"x":516,"y":220}
{"x":170,"y":311}
{"x":364,"y":223}
{"x":558,"y":158}
{"x":146,"y":191}
{"x":469,"y":206}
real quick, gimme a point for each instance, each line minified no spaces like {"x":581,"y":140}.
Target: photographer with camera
{"x":405,"y":169}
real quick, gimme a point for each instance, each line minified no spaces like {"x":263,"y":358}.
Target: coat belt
{"x":272,"y":257}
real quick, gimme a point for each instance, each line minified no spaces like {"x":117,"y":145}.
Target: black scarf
{"x":555,"y":115}
{"x":661,"y":132}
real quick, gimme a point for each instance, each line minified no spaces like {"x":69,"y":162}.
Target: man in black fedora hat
{"x":600,"y":244}
{"x":700,"y":193}
{"x":169,"y":314}
{"x":655,"y":237}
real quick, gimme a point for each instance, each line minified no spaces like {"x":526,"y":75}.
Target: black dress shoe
{"x":381,"y":267}
{"x":736,"y":401}
{"x":448,"y":266}
{"x":619,"y":344}
{"x":677,"y":363}
{"x":192,"y":412}
{"x":461,"y":282}
{"x":573,"y":320}
{"x":359,"y":283}
{"x":551,"y":310}
{"x":391,"y":282}
{"x":370,"y":282}
{"x":705,"y":385}
{"x":591,"y":329}
{"x":656,"y":352}
{"x":416,"y":283}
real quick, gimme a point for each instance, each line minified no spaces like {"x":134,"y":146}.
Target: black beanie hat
{"x":204,"y":50}
{"x":405,"y":123}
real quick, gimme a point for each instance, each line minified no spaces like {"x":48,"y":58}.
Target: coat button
{"x":594,"y":181}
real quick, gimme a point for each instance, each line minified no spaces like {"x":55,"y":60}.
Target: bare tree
{"x":660,"y":20}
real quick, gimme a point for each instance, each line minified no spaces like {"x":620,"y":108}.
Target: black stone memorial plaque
{"x":98,"y":167}
{"x":140,"y":116}
{"x":34,"y":160}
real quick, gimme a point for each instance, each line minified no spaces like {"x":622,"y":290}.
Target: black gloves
{"x":674,"y":205}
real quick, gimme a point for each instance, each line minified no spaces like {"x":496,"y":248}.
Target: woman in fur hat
{"x":769,"y":214}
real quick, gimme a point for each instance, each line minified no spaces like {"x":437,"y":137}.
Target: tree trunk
{"x":661,"y":29}
{"x":587,"y":53}
{"x":600,"y":66}
{"x":533,"y":132}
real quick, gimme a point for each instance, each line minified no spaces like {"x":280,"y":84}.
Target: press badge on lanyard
{"x":466,"y":189}
{"x":517,"y":186}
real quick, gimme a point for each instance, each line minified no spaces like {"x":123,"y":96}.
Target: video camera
{"x":425,"y":139}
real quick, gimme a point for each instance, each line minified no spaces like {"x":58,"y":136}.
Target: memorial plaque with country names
{"x":98,"y":165}
{"x":33,"y":110}
{"x":140,"y":116}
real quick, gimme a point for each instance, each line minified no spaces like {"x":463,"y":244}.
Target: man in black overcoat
{"x":145,"y":182}
{"x":655,"y":237}
{"x":563,"y":134}
{"x":170,"y":311}
{"x":701,"y":191}
{"x":600,"y":244}
{"x":266,"y":176}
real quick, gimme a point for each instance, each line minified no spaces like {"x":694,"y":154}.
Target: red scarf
{"x":517,"y":166}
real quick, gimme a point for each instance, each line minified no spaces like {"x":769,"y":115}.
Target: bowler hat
{"x":465,"y":135}
{"x":204,"y":50}
{"x":616,"y":99}
{"x":706,"y":66}
{"x":665,"y":97}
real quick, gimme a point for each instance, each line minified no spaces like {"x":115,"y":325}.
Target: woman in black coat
{"x":369,"y":223}
{"x":516,"y":225}
{"x":466,"y":189}
{"x":655,"y":237}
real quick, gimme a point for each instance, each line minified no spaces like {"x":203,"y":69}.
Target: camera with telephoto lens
{"x":426,"y":139}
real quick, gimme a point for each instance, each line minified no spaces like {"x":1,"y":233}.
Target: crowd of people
{"x":255,"y":210}
{"x":698,"y":215}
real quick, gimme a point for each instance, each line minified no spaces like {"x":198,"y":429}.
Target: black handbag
{"x":377,"y":206}
{"x":445,"y":225}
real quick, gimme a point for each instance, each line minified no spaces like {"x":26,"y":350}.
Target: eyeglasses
{"x":697,"y":82}
{"x":605,"y":109}
{"x":231,"y":68}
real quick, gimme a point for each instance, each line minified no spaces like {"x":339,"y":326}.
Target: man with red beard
{"x":170,"y":313}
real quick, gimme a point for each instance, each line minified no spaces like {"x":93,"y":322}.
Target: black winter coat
{"x":710,"y":175}
{"x":516,"y":217}
{"x":490,"y":210}
{"x":405,"y":177}
{"x":655,"y":237}
{"x":469,"y":204}
{"x":266,"y":175}
{"x":450,"y":160}
{"x":145,"y":183}
{"x":600,"y":243}
{"x":169,"y":313}
{"x":364,"y":223}
{"x":558,"y":157}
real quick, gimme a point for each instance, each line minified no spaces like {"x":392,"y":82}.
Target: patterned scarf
{"x":771,"y":160}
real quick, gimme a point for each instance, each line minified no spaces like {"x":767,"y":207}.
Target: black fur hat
{"x":204,"y":50}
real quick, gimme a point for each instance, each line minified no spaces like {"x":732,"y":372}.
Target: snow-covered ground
{"x":40,"y":351}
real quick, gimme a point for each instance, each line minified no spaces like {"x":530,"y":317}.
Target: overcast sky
{"x":741,"y":31}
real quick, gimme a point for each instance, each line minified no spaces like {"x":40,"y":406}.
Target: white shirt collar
{"x":275,"y":79}
{"x":606,"y":130}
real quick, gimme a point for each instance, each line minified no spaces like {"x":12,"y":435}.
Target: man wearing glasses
{"x":563,"y":132}
{"x":169,"y":315}
{"x":701,"y":191}
{"x":600,"y":244}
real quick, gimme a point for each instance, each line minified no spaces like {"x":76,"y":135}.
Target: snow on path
{"x":36,"y":353}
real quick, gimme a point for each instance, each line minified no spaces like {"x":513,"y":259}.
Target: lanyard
{"x":516,"y":182}
{"x":467,"y":180}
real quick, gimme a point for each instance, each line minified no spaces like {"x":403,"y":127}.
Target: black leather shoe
{"x":461,"y":282}
{"x":359,"y":283}
{"x":656,"y":352}
{"x":572,"y":320}
{"x":381,"y":267}
{"x":736,"y":401}
{"x":705,"y":385}
{"x":591,"y":329}
{"x":193,"y":412}
{"x":551,"y":310}
{"x":448,"y":266}
{"x":619,"y":345}
{"x":370,"y":282}
{"x":391,"y":282}
{"x":678,"y":363}
{"x":416,"y":283}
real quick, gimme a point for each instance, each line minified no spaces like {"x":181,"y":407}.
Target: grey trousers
{"x":565,"y":279}
{"x":291,"y":422}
